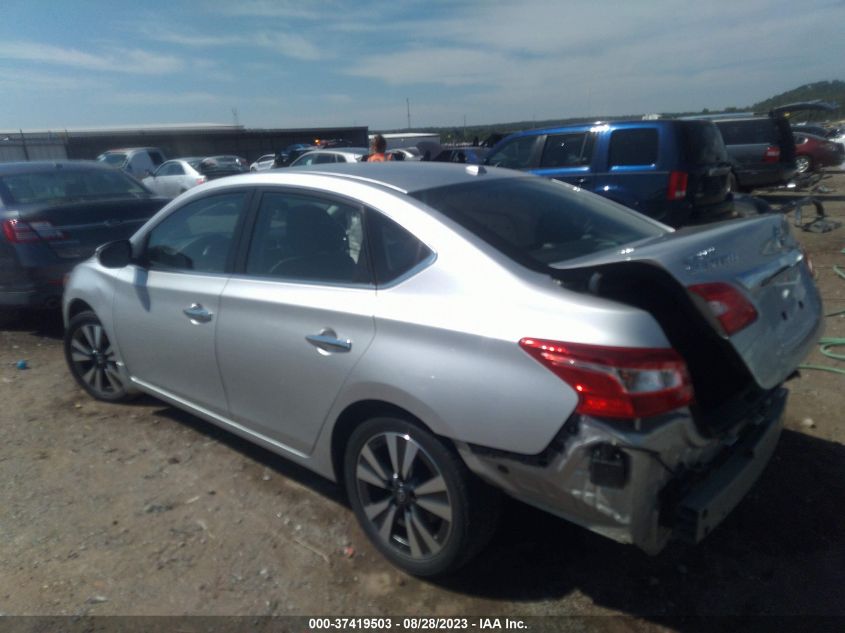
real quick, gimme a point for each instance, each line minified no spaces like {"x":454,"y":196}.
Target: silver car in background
{"x":432,"y":334}
{"x":328,"y":156}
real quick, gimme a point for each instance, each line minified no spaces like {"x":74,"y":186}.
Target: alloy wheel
{"x":93,"y":361}
{"x":404,"y":495}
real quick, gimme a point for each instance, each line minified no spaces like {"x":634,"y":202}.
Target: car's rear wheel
{"x":91,"y":358}
{"x":415,"y":499}
{"x":803,"y":164}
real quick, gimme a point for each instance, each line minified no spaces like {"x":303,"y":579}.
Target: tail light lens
{"x":20,"y":232}
{"x":772,"y":154}
{"x":677,"y":185}
{"x":733,"y":310}
{"x":617,"y":382}
{"x":202,"y":179}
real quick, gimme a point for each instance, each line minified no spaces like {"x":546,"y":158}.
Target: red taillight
{"x":772,"y":154}
{"x":733,"y":310}
{"x":617,"y":382}
{"x":202,"y":179}
{"x":677,"y":185}
{"x":19,"y":232}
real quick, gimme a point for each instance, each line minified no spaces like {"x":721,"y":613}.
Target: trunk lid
{"x":761,"y":258}
{"x":73,"y":230}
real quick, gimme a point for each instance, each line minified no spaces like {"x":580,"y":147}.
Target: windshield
{"x":538,"y":222}
{"x":68,"y":185}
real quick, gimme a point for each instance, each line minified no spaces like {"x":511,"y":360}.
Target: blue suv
{"x":674,"y":171}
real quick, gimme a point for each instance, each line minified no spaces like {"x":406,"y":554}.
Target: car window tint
{"x":197,"y":237}
{"x":517,"y":154}
{"x":702,"y":143}
{"x":753,"y":132}
{"x":304,"y":238}
{"x":395,"y":251}
{"x":157,"y":158}
{"x":567,"y":150}
{"x":537,"y":221}
{"x":633,"y":147}
{"x":321,"y":159}
{"x":69,"y":185}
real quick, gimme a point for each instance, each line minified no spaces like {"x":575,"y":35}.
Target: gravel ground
{"x":141,"y":509}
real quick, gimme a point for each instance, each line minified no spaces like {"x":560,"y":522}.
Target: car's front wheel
{"x":415,"y":499}
{"x":91,"y":358}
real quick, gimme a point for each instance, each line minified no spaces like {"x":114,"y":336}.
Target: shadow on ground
{"x":781,"y":552}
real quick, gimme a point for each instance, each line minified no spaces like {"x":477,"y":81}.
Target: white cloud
{"x":165,"y":98}
{"x":130,"y":61}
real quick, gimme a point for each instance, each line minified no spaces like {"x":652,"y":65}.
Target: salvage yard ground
{"x":144,"y":509}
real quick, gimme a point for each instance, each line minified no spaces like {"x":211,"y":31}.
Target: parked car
{"x":291,"y":153}
{"x":814,"y":152}
{"x":139,"y":162}
{"x":325,"y":156}
{"x":674,"y":171}
{"x":176,"y":176}
{"x":430,"y":335}
{"x":462,"y":154}
{"x":53,"y":215}
{"x":762,"y":148}
{"x":265,"y":162}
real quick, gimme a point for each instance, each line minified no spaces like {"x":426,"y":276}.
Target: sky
{"x":321,"y":63}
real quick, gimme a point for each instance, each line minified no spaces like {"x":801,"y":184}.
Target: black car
{"x":54,"y":215}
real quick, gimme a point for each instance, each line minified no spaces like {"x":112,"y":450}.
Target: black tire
{"x":804,"y":164}
{"x":425,"y":534}
{"x":91,"y":359}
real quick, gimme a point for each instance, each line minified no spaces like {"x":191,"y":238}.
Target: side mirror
{"x":115,"y":254}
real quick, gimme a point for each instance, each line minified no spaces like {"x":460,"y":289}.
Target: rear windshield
{"x":750,"y":132}
{"x":69,"y":185}
{"x":114,"y":159}
{"x":702,"y":142}
{"x":538,"y":222}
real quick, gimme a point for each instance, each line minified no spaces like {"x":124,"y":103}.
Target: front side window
{"x":568,"y":150}
{"x":633,"y":147}
{"x":197,"y":237}
{"x":518,"y":154}
{"x":309,"y":239}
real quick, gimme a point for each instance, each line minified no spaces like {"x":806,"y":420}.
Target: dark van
{"x":674,"y":171}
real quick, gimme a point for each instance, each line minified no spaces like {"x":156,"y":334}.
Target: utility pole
{"x":408,"y":104}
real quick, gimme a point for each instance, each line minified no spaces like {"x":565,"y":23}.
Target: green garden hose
{"x":826,"y":345}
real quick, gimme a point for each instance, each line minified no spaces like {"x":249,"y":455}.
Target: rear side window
{"x":308,"y":239}
{"x":752,"y":132}
{"x":633,"y":147}
{"x":395,"y":251}
{"x":517,"y":154}
{"x":537,"y":222}
{"x":568,"y":150}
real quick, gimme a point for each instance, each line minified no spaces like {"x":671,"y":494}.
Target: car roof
{"x":42,"y":166}
{"x":406,"y":177}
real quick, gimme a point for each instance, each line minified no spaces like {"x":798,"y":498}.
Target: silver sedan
{"x":433,"y":335}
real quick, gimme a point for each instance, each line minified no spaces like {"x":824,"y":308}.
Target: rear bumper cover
{"x":677,"y":483}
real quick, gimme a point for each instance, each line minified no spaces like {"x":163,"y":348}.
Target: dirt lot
{"x":142,"y":509}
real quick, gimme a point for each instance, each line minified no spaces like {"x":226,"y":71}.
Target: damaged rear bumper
{"x":644,"y":486}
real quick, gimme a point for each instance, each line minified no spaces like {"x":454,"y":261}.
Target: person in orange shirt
{"x":377,"y":150}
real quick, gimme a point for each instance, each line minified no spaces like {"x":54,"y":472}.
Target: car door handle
{"x":328,"y":341}
{"x":197,"y":314}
